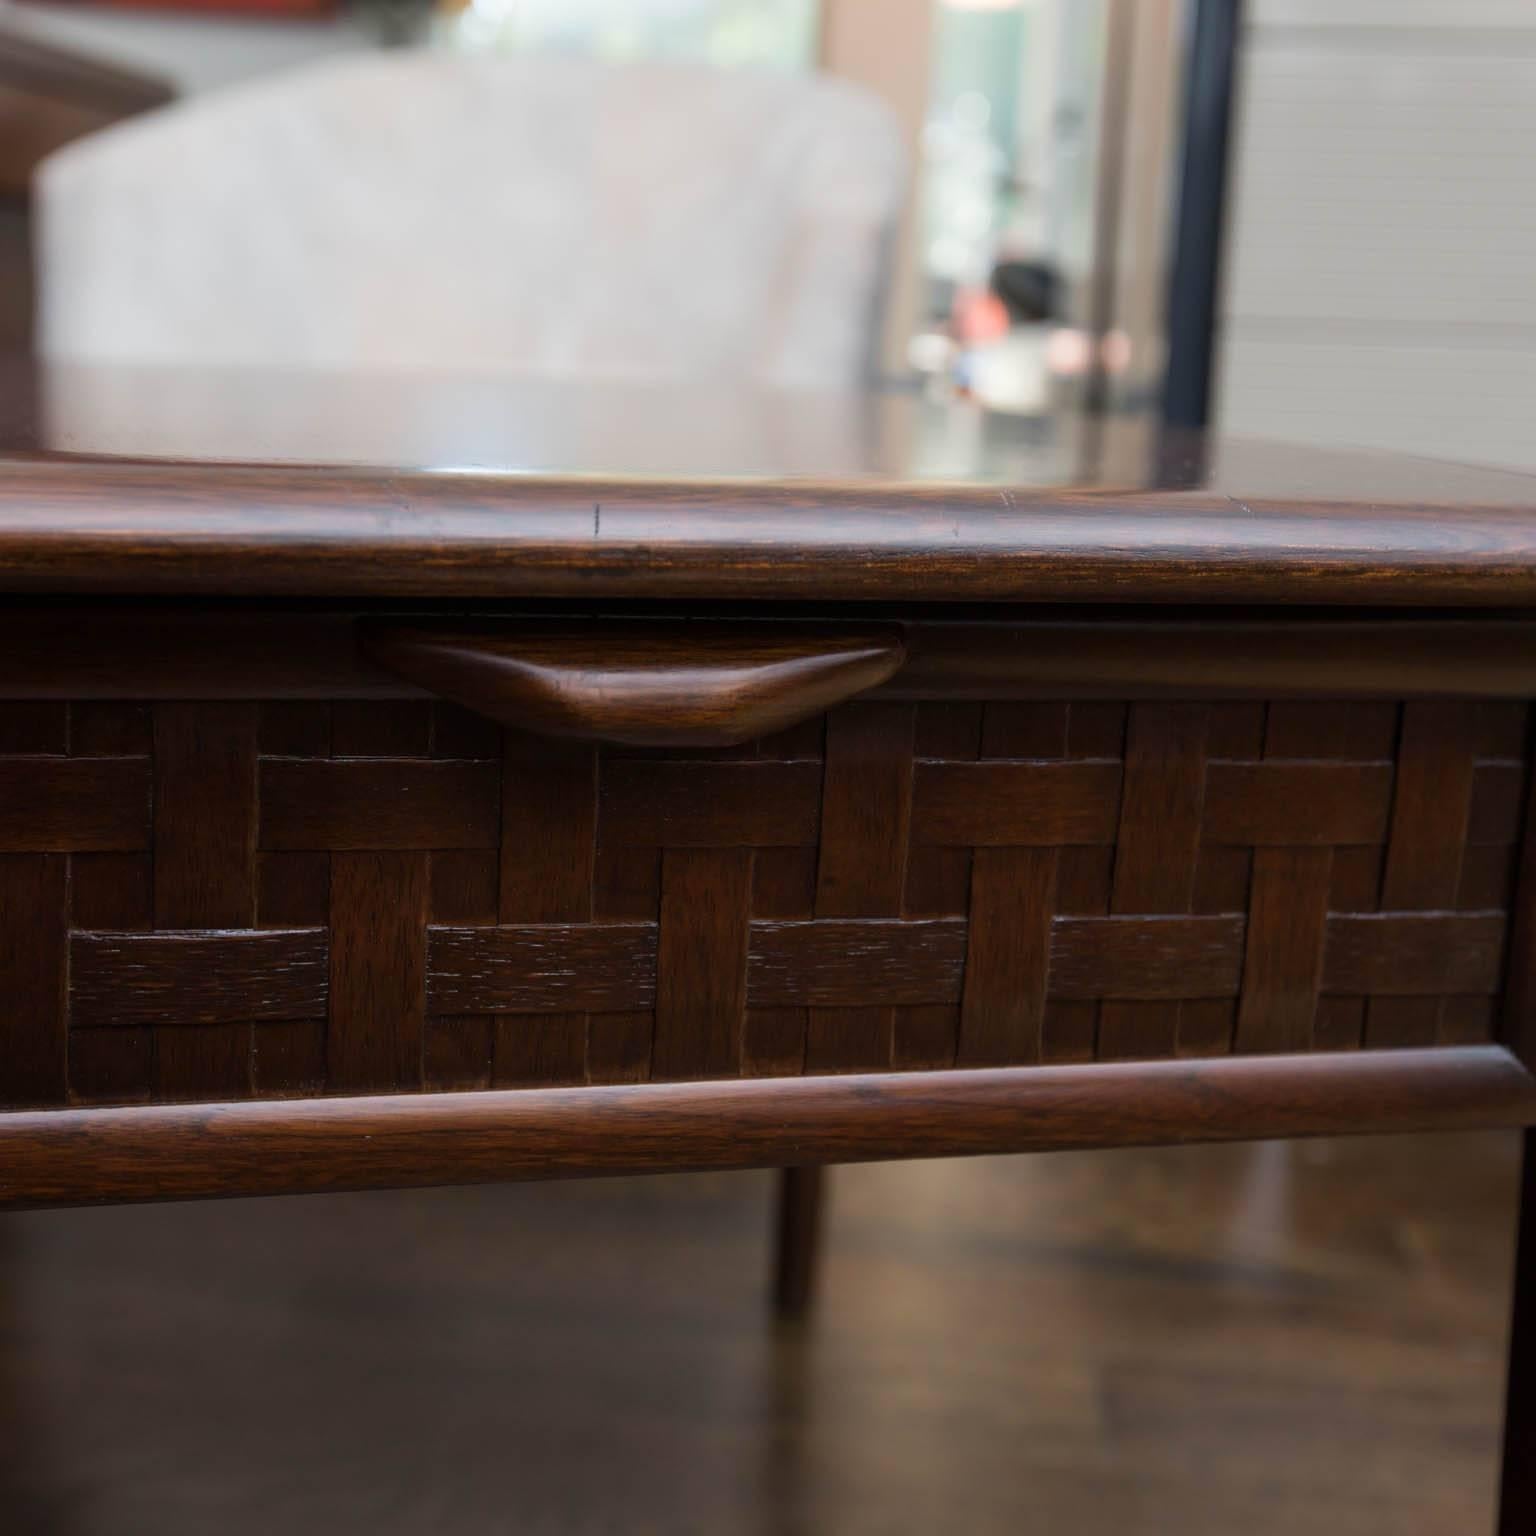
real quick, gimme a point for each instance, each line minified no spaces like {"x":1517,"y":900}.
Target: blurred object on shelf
{"x":1009,"y":373}
{"x":980,"y":317}
{"x":996,"y":346}
{"x":1031,"y":290}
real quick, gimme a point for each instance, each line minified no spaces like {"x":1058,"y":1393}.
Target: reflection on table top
{"x":524,"y":423}
{"x":137,"y":481}
{"x":529,"y":424}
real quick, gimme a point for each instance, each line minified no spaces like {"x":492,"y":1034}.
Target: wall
{"x":1381,"y":280}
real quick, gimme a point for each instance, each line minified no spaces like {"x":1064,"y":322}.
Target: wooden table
{"x":370,"y":826}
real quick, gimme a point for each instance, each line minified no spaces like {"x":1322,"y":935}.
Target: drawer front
{"x":214,"y":901}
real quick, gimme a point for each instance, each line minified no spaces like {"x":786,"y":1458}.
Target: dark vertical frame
{"x":1200,"y":219}
{"x":1517,"y":1491}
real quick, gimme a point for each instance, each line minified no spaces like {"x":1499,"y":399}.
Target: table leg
{"x":798,"y":1239}
{"x":1517,"y":1498}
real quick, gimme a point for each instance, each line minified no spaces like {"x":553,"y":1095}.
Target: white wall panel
{"x":1381,"y":271}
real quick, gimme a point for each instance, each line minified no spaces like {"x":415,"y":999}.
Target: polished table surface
{"x":517,"y":423}
{"x":115,"y":478}
{"x":520,"y":423}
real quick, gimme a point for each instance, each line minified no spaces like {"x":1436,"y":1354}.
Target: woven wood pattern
{"x":210,"y":901}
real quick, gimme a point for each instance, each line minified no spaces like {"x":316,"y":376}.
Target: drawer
{"x":243,"y":860}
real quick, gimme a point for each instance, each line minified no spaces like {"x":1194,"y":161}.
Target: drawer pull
{"x":662,"y":683}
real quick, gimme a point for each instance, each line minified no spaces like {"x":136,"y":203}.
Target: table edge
{"x":146,"y":529}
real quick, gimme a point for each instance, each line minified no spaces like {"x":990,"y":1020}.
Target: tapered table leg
{"x":1517,"y":1499}
{"x":798,"y":1239}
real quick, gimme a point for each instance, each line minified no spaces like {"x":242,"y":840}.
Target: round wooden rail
{"x":64,"y":1157}
{"x":222,"y":530}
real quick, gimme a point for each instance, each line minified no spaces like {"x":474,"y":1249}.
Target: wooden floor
{"x":1221,"y":1340}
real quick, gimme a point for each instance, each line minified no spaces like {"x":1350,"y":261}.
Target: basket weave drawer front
{"x":211,"y":901}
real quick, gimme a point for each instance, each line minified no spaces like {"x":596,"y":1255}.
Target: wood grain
{"x":996,"y":804}
{"x":361,"y":805}
{"x":379,"y":904}
{"x":711,"y":805}
{"x":548,"y":831}
{"x":146,"y":529}
{"x":1151,"y":958}
{"x":1162,"y":797}
{"x":1297,"y":804}
{"x":542,"y":968}
{"x":1157,"y":853}
{"x":54,"y":1157}
{"x":205,"y":815}
{"x":1431,"y":805}
{"x":546,"y":873}
{"x":1425,"y":846}
{"x":80,"y":805}
{"x":866,"y":811}
{"x":802,"y":890}
{"x":853,"y":963}
{"x":33,"y":969}
{"x":701,"y":962}
{"x":1411,"y":955}
{"x":205,"y":877}
{"x":1218,"y":655}
{"x":197,"y":978}
{"x":648,"y":684}
{"x":1287,"y":924}
{"x":861,"y":870}
{"x":191,"y":651}
{"x":1008,"y":955}
{"x":1517,"y":1013}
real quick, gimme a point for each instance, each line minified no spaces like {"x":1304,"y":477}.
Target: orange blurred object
{"x":979,"y":315}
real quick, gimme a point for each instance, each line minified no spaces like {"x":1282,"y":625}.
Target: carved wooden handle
{"x":662,"y":683}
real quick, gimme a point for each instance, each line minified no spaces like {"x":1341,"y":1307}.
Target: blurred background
{"x":1058,"y":234}
{"x":1295,"y":219}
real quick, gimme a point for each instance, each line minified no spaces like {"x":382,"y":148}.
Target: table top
{"x":156,"y":481}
